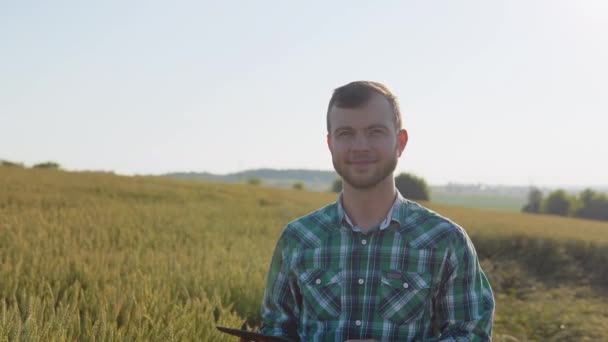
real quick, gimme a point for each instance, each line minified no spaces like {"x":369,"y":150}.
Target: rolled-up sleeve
{"x":464,"y":304}
{"x":282,"y":300}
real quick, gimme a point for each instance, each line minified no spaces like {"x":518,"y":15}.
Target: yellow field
{"x":86,"y":256}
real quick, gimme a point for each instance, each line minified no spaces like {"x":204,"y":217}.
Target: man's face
{"x":364,"y":142}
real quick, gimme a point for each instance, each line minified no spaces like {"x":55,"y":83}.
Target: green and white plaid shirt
{"x":415,"y":277}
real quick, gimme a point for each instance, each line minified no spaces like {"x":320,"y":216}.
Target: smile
{"x":362,"y":162}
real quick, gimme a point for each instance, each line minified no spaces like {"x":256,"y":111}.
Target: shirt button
{"x":364,"y":242}
{"x":406,"y":285}
{"x":361,"y":281}
{"x":358,"y":322}
{"x":318,"y":281}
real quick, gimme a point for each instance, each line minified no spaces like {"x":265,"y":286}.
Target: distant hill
{"x":315,"y":180}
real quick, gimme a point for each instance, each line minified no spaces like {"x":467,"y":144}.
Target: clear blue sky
{"x":500,"y":92}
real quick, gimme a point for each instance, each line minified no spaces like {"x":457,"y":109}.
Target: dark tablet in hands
{"x":252,"y":336}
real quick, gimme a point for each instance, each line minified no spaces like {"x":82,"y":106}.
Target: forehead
{"x":377,"y":111}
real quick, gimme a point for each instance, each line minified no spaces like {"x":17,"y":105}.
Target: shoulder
{"x":426,"y":228}
{"x":313,"y":228}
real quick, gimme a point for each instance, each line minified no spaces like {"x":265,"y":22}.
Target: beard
{"x":365,"y":182}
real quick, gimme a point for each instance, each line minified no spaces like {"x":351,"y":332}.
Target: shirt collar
{"x":396,"y":213}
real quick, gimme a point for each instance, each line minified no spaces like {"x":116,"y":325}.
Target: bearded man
{"x":374,"y":265}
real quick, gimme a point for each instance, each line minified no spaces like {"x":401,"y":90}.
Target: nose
{"x":360,"y":142}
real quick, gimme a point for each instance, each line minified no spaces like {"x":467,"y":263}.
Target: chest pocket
{"x":403,"y":296}
{"x":322,"y":292}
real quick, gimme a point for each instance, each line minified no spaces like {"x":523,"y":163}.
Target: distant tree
{"x":336,"y":186}
{"x":587,"y":196}
{"x":254,"y":181}
{"x":298,"y":186}
{"x":557,"y":203}
{"x":412,"y":187}
{"x":7,"y":163}
{"x":47,"y":165}
{"x":600,"y":207}
{"x":535,"y":200}
{"x":592,"y":205}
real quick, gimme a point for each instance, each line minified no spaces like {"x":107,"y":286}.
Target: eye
{"x":377,"y":131}
{"x":345,"y":133}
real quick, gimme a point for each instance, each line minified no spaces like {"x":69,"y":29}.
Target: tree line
{"x":588,"y":204}
{"x":45,"y":165}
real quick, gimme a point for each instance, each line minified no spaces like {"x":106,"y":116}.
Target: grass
{"x":87,"y":256}
{"x":497,"y":202}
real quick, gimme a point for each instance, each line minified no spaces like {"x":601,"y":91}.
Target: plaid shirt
{"x":415,"y":277}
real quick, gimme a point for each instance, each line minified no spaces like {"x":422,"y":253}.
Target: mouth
{"x":361,"y":162}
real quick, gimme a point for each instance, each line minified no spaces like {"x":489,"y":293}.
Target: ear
{"x":402,"y":138}
{"x":329,"y":141}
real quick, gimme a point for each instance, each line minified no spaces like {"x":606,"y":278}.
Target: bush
{"x":535,"y":200}
{"x":7,"y":163}
{"x":337,"y":185}
{"x":298,"y":186}
{"x":412,"y":187}
{"x":254,"y":181}
{"x":47,"y":165}
{"x":592,"y":205}
{"x":557,"y":203}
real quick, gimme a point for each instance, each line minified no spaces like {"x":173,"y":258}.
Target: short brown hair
{"x":356,"y":94}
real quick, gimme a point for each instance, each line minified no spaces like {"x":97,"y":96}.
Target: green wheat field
{"x":99,"y":257}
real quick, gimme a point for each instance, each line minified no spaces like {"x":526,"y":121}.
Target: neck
{"x":368,"y":207}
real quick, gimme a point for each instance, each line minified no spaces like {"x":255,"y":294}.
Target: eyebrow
{"x":349,"y":128}
{"x":377,"y":126}
{"x":342,"y":128}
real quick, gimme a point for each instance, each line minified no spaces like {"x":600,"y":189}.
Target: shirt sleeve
{"x":282,"y":300}
{"x":464,"y":305}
